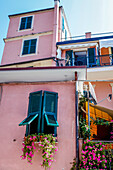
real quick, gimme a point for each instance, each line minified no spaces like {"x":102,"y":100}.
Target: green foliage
{"x":99,"y":121}
{"x":82,"y":100}
{"x":73,"y":164}
{"x":46,"y":143}
{"x":84,"y":129}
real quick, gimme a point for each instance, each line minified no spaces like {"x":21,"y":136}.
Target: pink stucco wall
{"x":13,"y":110}
{"x":13,"y":49}
{"x":102,"y":89}
{"x":43,"y":21}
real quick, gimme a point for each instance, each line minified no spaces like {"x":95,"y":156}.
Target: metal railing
{"x":90,"y":61}
{"x":84,"y":36}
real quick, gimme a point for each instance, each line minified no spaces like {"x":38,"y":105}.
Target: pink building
{"x":25,"y":83}
{"x":32,"y":37}
{"x":35,"y":44}
{"x":58,"y":87}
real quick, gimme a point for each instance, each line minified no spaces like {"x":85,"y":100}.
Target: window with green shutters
{"x":26,"y":23}
{"x":42,"y":113}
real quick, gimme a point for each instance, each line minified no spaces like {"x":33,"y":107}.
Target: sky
{"x":82,"y":15}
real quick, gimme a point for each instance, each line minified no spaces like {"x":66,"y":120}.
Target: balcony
{"x":90,"y":61}
{"x":91,"y":50}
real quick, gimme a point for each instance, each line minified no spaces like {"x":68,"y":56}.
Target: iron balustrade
{"x":92,"y":61}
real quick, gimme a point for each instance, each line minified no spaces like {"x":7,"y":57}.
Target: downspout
{"x":55,"y":27}
{"x":76,"y":122}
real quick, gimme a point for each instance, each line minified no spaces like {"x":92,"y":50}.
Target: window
{"x":65,"y":34}
{"x":29,"y":46}
{"x":26,"y":23}
{"x":62,"y":23}
{"x":42,"y":113}
{"x":91,"y":57}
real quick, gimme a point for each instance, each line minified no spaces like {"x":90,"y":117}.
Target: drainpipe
{"x":55,"y":27}
{"x":76,"y":122}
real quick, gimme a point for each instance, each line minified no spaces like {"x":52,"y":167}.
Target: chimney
{"x":88,"y":34}
{"x":55,"y":27}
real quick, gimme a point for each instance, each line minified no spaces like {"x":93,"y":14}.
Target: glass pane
{"x":26,"y":43}
{"x":32,"y":49}
{"x":33,"y":42}
{"x":25,"y":50}
{"x":22,"y":26}
{"x":29,"y":19}
{"x":50,"y":103}
{"x":28,"y":25}
{"x":23,"y":20}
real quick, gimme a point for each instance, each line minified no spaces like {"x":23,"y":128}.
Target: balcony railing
{"x":90,"y":61}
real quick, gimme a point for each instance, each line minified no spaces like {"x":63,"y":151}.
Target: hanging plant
{"x":84,"y":130}
{"x":46,"y":143}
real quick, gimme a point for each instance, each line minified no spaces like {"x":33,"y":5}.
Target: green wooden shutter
{"x":50,"y":110}
{"x":69,"y":58}
{"x":91,"y":56}
{"x":33,"y":120}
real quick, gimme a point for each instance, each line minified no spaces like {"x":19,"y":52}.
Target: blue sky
{"x":82,"y":15}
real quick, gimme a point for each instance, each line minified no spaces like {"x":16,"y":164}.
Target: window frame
{"x":32,"y":23}
{"x":22,"y":47}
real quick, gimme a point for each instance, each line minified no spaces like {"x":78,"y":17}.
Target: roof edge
{"x":41,"y":10}
{"x":42,"y":68}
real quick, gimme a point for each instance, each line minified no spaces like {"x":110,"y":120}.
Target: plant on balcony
{"x":84,"y":130}
{"x":46,"y":143}
{"x":99,"y":121}
{"x":93,"y":156}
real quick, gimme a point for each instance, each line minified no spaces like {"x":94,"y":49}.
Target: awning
{"x":103,"y":109}
{"x":106,"y":43}
{"x":77,"y":46}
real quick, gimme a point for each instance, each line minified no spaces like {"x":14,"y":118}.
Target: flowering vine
{"x":46,"y":143}
{"x":93,"y":156}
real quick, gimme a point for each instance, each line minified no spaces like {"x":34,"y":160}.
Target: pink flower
{"x":49,"y":163}
{"x":34,"y":137}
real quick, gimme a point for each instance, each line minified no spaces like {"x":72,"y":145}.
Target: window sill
{"x":27,"y":55}
{"x":30,"y":29}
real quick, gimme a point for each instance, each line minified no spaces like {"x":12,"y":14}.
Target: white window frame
{"x":31,"y":23}
{"x":29,"y":38}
